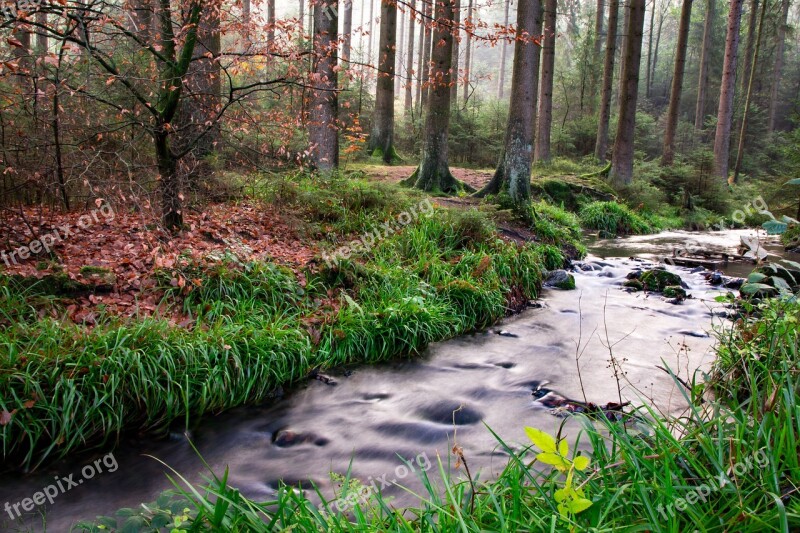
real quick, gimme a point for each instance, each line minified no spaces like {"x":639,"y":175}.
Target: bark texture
{"x":323,"y":132}
{"x":468,"y":53}
{"x":410,"y":57}
{"x":347,"y":29}
{"x":456,"y":39}
{"x":381,"y":139}
{"x":621,"y":172}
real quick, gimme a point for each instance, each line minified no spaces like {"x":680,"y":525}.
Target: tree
{"x":381,"y":139}
{"x":727,"y":89}
{"x":598,"y":48}
{"x":545,"y":119}
{"x":705,"y":52}
{"x":410,"y":57}
{"x":777,"y":71}
{"x":323,"y":132}
{"x":433,"y":173}
{"x":270,"y":22}
{"x":621,"y":172}
{"x":513,"y":174}
{"x":752,"y":20}
{"x":750,"y":81}
{"x":601,"y":145}
{"x":425,"y":55}
{"x":468,"y":52}
{"x":677,"y":84}
{"x":347,"y":29}
{"x":501,"y":77}
{"x":456,"y":39}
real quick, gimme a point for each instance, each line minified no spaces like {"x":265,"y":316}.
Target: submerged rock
{"x":633,"y":285}
{"x":560,"y":279}
{"x":674,"y":291}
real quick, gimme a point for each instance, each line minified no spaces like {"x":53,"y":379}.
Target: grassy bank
{"x":731,"y":464}
{"x":248,"y":327}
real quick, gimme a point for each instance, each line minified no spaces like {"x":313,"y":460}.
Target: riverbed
{"x":371,"y":417}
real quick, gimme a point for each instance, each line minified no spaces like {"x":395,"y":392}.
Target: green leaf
{"x":543,"y":440}
{"x":752,"y":288}
{"x":579,"y":505}
{"x":780,"y":284}
{"x":580,"y":462}
{"x":756,"y":277}
{"x":554,"y":459}
{"x":563,"y":447}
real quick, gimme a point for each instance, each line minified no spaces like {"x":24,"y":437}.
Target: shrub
{"x":612,"y":219}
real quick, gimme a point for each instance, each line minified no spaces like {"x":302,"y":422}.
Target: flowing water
{"x":417,"y":408}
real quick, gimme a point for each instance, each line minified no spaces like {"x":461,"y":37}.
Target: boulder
{"x":560,"y":279}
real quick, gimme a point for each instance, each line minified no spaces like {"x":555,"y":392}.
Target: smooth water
{"x":416,"y":409}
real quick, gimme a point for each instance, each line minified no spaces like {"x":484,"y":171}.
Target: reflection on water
{"x":414,"y":408}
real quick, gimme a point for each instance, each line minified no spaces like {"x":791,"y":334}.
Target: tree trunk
{"x":323,"y":132}
{"x":433,"y":173}
{"x":777,"y":72}
{"x":398,"y":66}
{"x":649,"y":74}
{"x":347,"y":29}
{"x":382,"y":136}
{"x":513,"y":174}
{"x":621,"y":172}
{"x":270,"y":23}
{"x":658,"y":44}
{"x":677,"y":84}
{"x":601,"y":145}
{"x":456,"y":38}
{"x":301,"y":15}
{"x":751,"y":78}
{"x":722,"y":138}
{"x":425,"y":66}
{"x":702,"y":83}
{"x":41,"y":37}
{"x":421,"y":52}
{"x":501,"y":77}
{"x":752,"y":20}
{"x":410,"y":57}
{"x":371,"y":28}
{"x":468,"y":53}
{"x":598,"y":49}
{"x":545,"y":118}
{"x":169,"y":181}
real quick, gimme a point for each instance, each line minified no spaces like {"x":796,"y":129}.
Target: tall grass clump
{"x":612,"y":219}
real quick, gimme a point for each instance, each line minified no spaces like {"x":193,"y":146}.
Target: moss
{"x":633,"y":284}
{"x":674,"y":291}
{"x":568,"y":284}
{"x":791,"y":237}
{"x":657,"y":280}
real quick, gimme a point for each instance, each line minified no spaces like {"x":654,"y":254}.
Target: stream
{"x":416,"y":408}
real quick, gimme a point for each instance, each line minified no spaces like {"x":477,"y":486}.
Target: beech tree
{"x":604,"y":114}
{"x":544,"y":120}
{"x":468,"y":53}
{"x":513,"y":174}
{"x":424,"y":54}
{"x":433,"y":172}
{"x":722,"y":138}
{"x":323,"y":134}
{"x":501,"y":76}
{"x":381,"y":140}
{"x":347,"y":30}
{"x":677,"y":84}
{"x":621,"y":172}
{"x":410,"y":57}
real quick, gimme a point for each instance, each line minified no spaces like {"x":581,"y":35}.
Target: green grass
{"x":612,"y":219}
{"x":729,"y":464}
{"x":252,"y":326}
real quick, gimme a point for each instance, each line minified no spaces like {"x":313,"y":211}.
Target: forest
{"x":399,"y":265}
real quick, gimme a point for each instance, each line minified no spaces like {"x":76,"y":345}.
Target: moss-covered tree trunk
{"x":621,"y":172}
{"x":513,"y":174}
{"x":381,"y":139}
{"x":433,"y":173}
